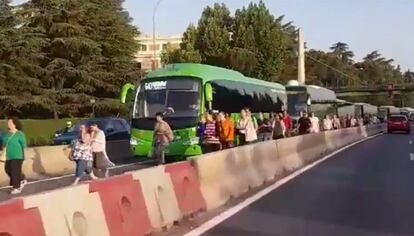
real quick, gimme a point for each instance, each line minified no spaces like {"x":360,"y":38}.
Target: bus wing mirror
{"x":209,"y":92}
{"x":309,"y":102}
{"x":125,"y":90}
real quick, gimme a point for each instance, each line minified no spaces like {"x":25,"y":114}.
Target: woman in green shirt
{"x":15,"y":143}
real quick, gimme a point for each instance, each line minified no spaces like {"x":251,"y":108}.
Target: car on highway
{"x":115,"y":129}
{"x":398,"y":123}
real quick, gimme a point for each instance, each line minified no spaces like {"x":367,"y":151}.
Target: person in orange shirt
{"x":226,"y":130}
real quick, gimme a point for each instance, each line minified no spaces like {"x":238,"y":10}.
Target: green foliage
{"x":252,"y":41}
{"x":213,"y":34}
{"x":257,"y":30}
{"x":186,"y":52}
{"x":259,"y":45}
{"x":57,"y":55}
{"x":338,"y":69}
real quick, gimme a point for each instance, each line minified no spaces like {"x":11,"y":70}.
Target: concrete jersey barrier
{"x":148,"y":200}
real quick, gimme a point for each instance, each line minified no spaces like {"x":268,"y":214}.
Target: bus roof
{"x":364,"y":104}
{"x":209,"y":73}
{"x":317,"y":94}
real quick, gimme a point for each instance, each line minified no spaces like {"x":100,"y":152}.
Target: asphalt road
{"x":367,"y":189}
{"x":63,"y":181}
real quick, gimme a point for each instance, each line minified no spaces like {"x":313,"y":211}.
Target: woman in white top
{"x":101,"y":161}
{"x":360,"y":121}
{"x":247,"y":129}
{"x":315,"y":123}
{"x":353,"y":121}
{"x":327,"y":123}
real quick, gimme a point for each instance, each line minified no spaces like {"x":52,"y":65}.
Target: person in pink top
{"x":288,"y":121}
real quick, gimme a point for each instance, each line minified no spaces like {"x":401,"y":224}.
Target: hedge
{"x":40,"y":132}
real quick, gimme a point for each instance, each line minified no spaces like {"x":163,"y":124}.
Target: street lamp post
{"x":153,"y":33}
{"x":93,"y":101}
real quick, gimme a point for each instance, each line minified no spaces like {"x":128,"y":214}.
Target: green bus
{"x":310,"y":98}
{"x":190,"y":90}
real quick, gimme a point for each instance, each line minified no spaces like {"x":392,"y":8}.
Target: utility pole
{"x":301,"y":57}
{"x":154,"y":50}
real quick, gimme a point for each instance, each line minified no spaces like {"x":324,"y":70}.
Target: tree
{"x":18,"y":71}
{"x":341,"y":50}
{"x":186,"y":52}
{"x":66,"y":51}
{"x":378,"y":70}
{"x":85,"y":50}
{"x":213,"y":34}
{"x":408,"y":76}
{"x":252,"y":42}
{"x":290,"y":65}
{"x":257,"y":30}
{"x":109,"y":25}
{"x":373,"y":56}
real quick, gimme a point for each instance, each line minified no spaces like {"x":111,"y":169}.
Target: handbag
{"x":3,"y":157}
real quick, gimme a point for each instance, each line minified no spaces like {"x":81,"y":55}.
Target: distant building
{"x":145,"y":55}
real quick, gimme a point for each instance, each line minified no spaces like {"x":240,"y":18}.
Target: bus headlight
{"x":192,"y":141}
{"x":133,"y":142}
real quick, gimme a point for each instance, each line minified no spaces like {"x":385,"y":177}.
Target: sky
{"x":366,"y":25}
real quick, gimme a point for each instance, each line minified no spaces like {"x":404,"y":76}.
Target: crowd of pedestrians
{"x":216,"y":131}
{"x":219,"y":131}
{"x":311,"y":124}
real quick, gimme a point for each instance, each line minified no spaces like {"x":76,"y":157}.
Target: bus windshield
{"x":297,"y":102}
{"x":179,"y":95}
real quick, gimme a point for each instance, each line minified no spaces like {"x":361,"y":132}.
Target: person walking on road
{"x":327,"y":123}
{"x":211,"y":142}
{"x":226,"y":131}
{"x":264,"y":132}
{"x":360,"y":121}
{"x":101,"y":160}
{"x":201,"y":127}
{"x":288,"y":123}
{"x":163,"y":136}
{"x":353,"y":121}
{"x":279,"y":128}
{"x":305,"y":124}
{"x":247,"y":128}
{"x":315,"y":123}
{"x":14,"y":144}
{"x":348,"y":123}
{"x":336,"y":122}
{"x":252,"y":117}
{"x":82,"y":155}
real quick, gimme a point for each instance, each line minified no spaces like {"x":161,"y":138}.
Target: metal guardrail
{"x":379,"y":88}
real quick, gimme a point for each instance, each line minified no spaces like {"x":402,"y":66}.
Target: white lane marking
{"x":234,"y":210}
{"x":411,"y":142}
{"x":412,"y":156}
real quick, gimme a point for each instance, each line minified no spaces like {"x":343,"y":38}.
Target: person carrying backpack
{"x":163,"y":136}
